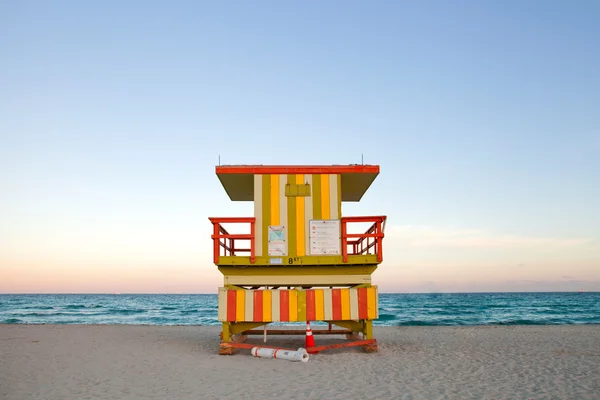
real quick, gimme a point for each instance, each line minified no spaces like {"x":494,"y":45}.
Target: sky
{"x":484,"y":118}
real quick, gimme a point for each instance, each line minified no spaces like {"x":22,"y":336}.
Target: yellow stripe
{"x":339,"y":195}
{"x":302,"y":305}
{"x":266,"y":213}
{"x":240,"y":305}
{"x":325,"y":206}
{"x":283,"y":208}
{"x":291,"y":220}
{"x":333,"y":196}
{"x":275,"y":200}
{"x":345,"y":304}
{"x":266,"y":305}
{"x":300,"y":241}
{"x":371,"y":303}
{"x":315,"y":194}
{"x":319,"y":304}
{"x":293,"y":305}
{"x":258,"y":231}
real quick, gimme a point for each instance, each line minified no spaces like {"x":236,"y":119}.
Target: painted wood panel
{"x":272,"y":207}
{"x":297,"y":305}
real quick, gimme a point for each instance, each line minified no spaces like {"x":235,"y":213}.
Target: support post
{"x":226,"y":338}
{"x":226,"y":334}
{"x":368,"y":329}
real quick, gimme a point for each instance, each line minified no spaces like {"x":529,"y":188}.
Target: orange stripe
{"x":284,"y":304}
{"x":336,"y":304}
{"x":231,"y":294}
{"x":310,"y":305}
{"x":258,"y":306}
{"x":363,"y":311}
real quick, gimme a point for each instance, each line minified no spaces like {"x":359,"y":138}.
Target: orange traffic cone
{"x":310,"y":339}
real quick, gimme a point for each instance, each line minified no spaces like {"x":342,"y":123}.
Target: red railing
{"x":225,"y":242}
{"x":369,"y":242}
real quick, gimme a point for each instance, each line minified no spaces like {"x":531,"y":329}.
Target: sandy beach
{"x":181,"y":362}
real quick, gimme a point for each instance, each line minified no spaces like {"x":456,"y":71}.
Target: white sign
{"x":325,"y":237}
{"x":276,"y":240}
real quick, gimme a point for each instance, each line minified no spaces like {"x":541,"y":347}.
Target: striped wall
{"x":298,"y":305}
{"x":273,"y":207}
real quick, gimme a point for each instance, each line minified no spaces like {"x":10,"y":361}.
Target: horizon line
{"x":214,"y":293}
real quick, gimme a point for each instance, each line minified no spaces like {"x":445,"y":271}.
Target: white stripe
{"x":222,"y":304}
{"x":328,"y":304}
{"x":275,"y":304}
{"x":249,"y":305}
{"x":354,"y":304}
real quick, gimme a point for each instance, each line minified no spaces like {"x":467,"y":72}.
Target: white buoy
{"x":290,"y":355}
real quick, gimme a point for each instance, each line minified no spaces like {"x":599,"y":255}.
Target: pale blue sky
{"x":484,"y":117}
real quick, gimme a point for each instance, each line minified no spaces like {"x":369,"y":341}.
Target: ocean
{"x":394,"y":309}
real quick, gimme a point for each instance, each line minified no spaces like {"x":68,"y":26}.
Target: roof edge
{"x":298,"y":169}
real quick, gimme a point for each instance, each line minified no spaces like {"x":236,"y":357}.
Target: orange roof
{"x":298,"y":169}
{"x":238,"y":180}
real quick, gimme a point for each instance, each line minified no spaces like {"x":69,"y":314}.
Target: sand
{"x":159,"y":362}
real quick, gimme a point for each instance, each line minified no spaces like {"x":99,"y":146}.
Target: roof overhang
{"x":238,"y":180}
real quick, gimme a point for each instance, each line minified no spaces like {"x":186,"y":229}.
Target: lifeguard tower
{"x":297,"y":260}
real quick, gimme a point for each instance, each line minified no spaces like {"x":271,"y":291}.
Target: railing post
{"x":216,"y":242}
{"x":379,"y":240}
{"x":252,"y":232}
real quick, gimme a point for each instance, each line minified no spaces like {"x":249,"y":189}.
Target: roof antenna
{"x":362,"y":159}
{"x":219,"y":160}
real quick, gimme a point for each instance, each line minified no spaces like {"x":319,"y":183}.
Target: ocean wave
{"x":522,"y":321}
{"x":47,"y":315}
{"x":161,"y":321}
{"x":35,"y":314}
{"x":417,"y":323}
{"x":125,"y":311}
{"x":188,"y":312}
{"x":81,"y":306}
{"x":451,"y":312}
